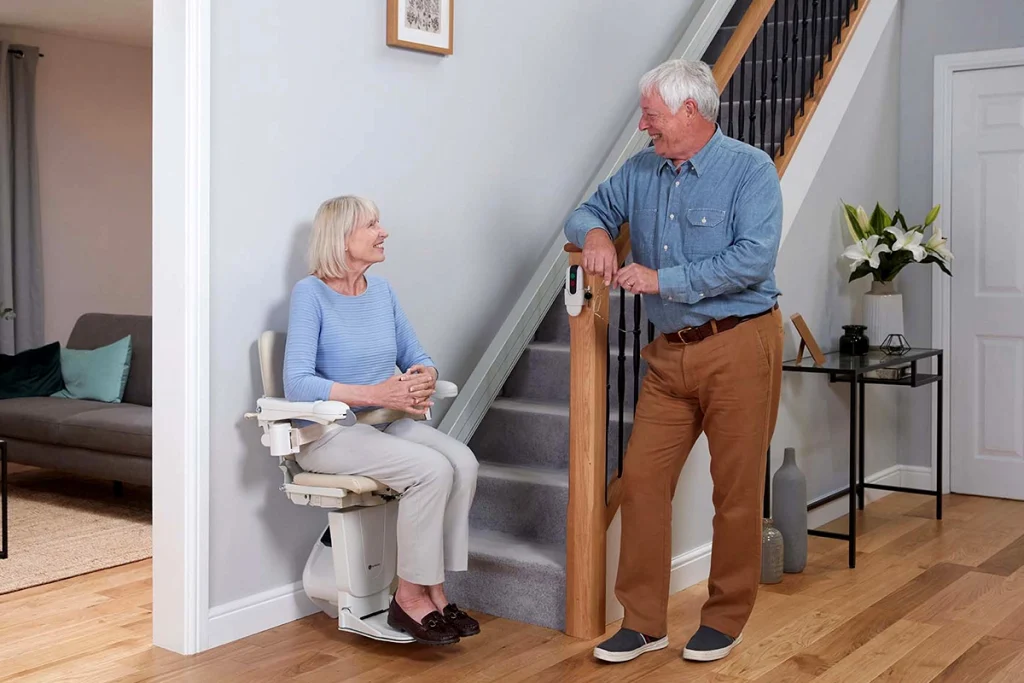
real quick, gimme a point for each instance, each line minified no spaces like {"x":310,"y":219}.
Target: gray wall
{"x":860,"y":167}
{"x":474,"y":159}
{"x":930,"y":28}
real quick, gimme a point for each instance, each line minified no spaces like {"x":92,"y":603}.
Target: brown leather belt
{"x":692,"y":335}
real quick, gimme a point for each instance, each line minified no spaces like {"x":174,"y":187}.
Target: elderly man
{"x":705,"y":217}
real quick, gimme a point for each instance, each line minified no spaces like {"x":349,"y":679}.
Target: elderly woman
{"x":346,"y":335}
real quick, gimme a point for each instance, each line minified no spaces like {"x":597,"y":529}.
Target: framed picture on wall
{"x":421,"y":25}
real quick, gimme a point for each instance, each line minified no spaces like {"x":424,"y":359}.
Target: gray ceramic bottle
{"x":789,"y":511}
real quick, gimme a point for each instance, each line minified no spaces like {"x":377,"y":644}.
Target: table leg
{"x":853,"y":471}
{"x":938,"y":442}
{"x":3,"y":498}
{"x":860,"y":446}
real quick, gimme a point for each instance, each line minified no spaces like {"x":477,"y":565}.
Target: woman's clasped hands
{"x":409,"y":392}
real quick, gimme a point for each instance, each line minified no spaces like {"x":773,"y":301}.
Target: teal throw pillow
{"x":97,"y":374}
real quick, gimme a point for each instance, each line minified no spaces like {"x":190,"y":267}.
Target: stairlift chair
{"x":352,"y":566}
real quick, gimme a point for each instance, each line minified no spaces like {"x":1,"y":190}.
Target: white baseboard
{"x":891,"y":476}
{"x":256,"y":613}
{"x":916,"y":477}
{"x":690,"y":568}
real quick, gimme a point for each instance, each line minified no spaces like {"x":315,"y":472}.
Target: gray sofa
{"x":104,"y":440}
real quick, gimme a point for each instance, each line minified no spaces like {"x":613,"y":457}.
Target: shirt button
{"x":666,"y":247}
{"x":672,"y":216}
{"x":701,"y":296}
{"x":677,"y":183}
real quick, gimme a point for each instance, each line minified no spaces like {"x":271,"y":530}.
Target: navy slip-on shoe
{"x":626,"y":645}
{"x":707,"y":645}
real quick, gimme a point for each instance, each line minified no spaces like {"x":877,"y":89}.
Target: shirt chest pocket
{"x":705,"y":232}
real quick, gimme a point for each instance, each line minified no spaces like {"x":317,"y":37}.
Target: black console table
{"x":3,"y":498}
{"x":855,"y":370}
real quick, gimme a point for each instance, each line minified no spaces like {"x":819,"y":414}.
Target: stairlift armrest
{"x":270,"y":409}
{"x":444,"y":389}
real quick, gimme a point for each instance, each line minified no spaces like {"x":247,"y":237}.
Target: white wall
{"x":93,"y":117}
{"x":930,"y":28}
{"x":474,"y":159}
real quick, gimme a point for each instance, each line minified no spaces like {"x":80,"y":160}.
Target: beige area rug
{"x":61,"y":526}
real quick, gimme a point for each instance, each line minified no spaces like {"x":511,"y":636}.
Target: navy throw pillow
{"x":35,"y":372}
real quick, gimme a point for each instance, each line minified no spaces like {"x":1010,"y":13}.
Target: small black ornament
{"x":895,"y":345}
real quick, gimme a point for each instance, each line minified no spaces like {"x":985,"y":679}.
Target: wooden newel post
{"x":586,"y":533}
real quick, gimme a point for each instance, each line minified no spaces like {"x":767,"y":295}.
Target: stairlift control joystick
{"x":575,"y":292}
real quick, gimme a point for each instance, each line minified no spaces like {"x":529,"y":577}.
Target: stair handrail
{"x":593,"y":501}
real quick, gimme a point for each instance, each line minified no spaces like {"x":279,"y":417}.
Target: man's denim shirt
{"x":711,"y":229}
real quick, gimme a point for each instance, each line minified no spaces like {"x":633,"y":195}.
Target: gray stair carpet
{"x":518,"y":519}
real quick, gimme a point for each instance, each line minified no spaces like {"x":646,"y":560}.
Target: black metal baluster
{"x":739,"y":112}
{"x":814,"y":40}
{"x":731,"y":106}
{"x":752,"y":101}
{"x":794,"y":88}
{"x":775,"y":77}
{"x":805,"y":55}
{"x":607,"y":397}
{"x":622,"y":369}
{"x":765,"y":66}
{"x":650,"y":332}
{"x":822,"y":32}
{"x":636,"y":357}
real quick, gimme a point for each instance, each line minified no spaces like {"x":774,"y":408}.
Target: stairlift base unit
{"x":350,"y":579}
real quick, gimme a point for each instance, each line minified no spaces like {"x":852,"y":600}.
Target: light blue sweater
{"x":345,"y":339}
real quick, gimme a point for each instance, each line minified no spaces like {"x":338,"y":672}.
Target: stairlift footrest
{"x":375,"y":627}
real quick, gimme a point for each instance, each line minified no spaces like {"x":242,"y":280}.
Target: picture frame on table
{"x":807,"y":341}
{"x":424,"y":25}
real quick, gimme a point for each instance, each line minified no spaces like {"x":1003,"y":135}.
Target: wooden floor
{"x":929,"y":601}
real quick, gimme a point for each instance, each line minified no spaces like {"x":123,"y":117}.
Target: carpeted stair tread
{"x":528,"y":503}
{"x":512,"y":578}
{"x":540,"y":476}
{"x":508,"y":548}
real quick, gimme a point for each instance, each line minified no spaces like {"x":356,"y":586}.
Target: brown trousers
{"x":726,"y":385}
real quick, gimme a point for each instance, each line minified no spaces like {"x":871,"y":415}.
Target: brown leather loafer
{"x":464,"y":624}
{"x":433,"y":630}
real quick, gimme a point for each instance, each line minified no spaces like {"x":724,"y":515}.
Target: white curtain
{"x":21,"y":273}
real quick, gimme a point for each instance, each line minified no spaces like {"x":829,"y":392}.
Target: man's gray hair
{"x":678,"y":80}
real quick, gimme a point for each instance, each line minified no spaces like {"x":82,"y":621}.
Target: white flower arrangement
{"x":6,"y":312}
{"x":883,"y":245}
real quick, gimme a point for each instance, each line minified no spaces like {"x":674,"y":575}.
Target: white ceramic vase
{"x":883,"y":312}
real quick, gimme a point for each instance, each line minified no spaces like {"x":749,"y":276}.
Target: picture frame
{"x":807,"y":341}
{"x":424,"y":25}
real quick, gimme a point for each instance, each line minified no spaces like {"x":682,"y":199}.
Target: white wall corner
{"x":256,"y":613}
{"x":181,"y":283}
{"x":835,"y":102}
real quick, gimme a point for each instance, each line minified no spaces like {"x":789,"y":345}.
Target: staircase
{"x":518,"y":521}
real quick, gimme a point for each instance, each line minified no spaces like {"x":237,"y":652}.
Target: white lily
{"x":909,"y":241}
{"x":936,"y":244}
{"x":866,"y":250}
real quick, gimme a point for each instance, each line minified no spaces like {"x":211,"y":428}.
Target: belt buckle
{"x":682,"y":339}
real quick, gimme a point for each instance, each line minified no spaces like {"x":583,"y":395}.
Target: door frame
{"x":946,"y":67}
{"x":181,"y":323}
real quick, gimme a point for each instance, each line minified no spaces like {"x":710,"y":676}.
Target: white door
{"x":986,"y":365}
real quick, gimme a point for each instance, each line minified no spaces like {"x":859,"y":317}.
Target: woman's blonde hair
{"x":334,"y":221}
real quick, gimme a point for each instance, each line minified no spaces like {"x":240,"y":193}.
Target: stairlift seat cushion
{"x":347,"y":482}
